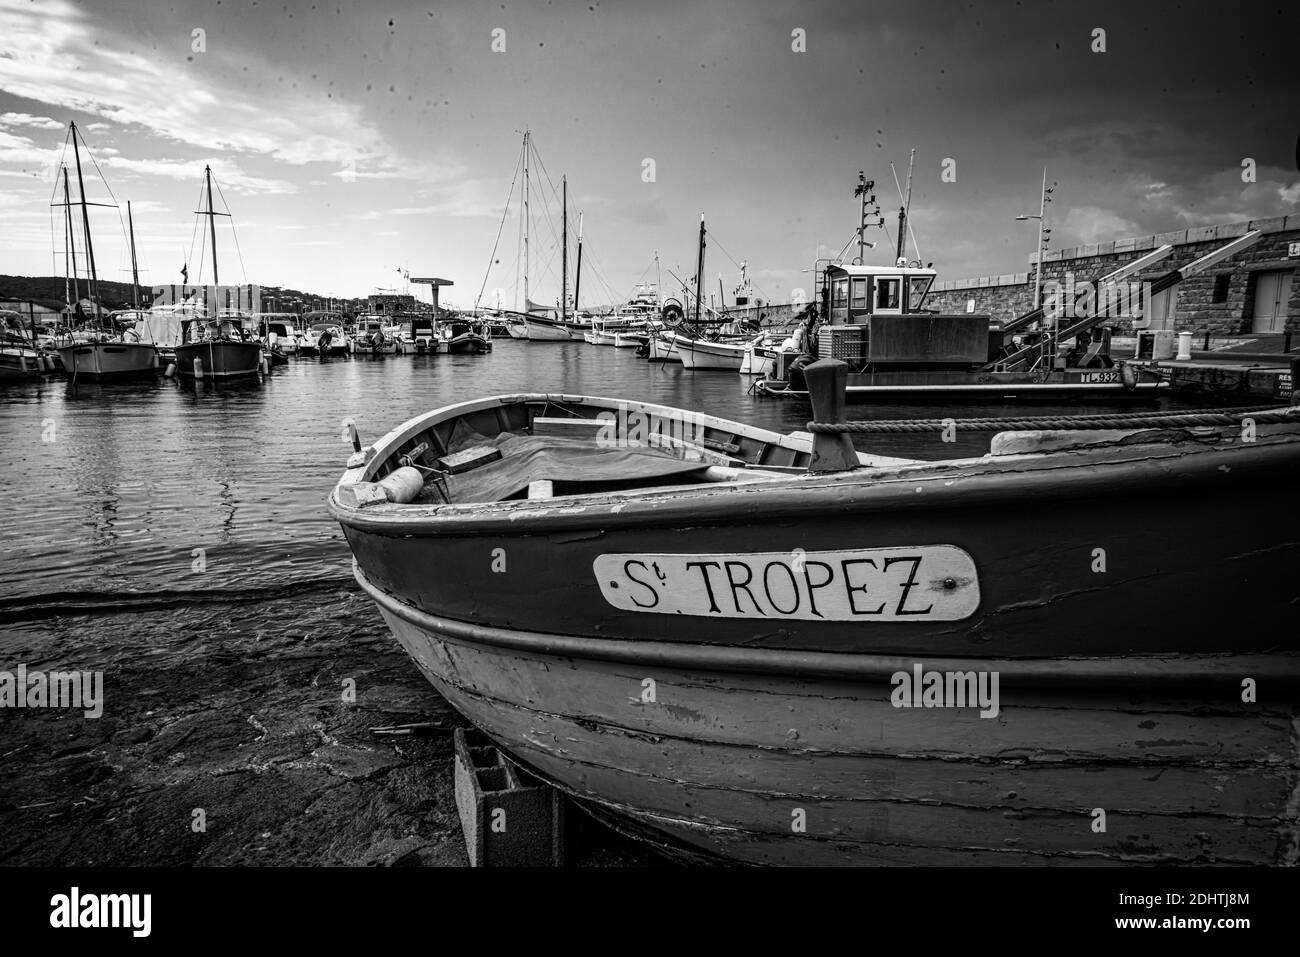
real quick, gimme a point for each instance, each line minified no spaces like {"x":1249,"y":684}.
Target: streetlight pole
{"x":1043,"y":199}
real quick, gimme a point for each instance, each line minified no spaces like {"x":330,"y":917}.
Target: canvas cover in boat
{"x":574,"y":465}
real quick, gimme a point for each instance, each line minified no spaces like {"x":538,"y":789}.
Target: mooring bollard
{"x":832,"y":451}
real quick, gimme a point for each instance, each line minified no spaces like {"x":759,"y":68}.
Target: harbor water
{"x":175,"y":538}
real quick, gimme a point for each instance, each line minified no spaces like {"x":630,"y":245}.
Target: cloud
{"x":227,"y":174}
{"x":54,"y":54}
{"x":1092,"y":224}
{"x":26,"y":119}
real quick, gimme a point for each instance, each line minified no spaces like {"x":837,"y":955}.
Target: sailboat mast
{"x":902,"y":210}
{"x":85,"y":222}
{"x":135,"y":272}
{"x":526,"y":217}
{"x":212,"y":224}
{"x":564,"y":248}
{"x":70,"y":247}
{"x":577,"y":279}
{"x":699,"y":272}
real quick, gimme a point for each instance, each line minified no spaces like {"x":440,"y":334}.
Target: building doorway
{"x":1272,"y":293}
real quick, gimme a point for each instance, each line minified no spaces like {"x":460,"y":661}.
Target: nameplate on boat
{"x":903,"y":583}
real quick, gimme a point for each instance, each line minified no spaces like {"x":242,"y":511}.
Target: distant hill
{"x":49,"y":291}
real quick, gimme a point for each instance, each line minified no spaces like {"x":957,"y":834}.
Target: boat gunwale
{"x":1142,"y":671}
{"x":952,"y":483}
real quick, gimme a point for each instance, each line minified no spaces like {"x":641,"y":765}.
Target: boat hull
{"x":815,"y":770}
{"x":661,"y":350}
{"x":469,"y":343}
{"x":19,"y":362}
{"x":755,"y":727}
{"x":109,"y":360}
{"x":996,"y":386}
{"x":709,"y":356}
{"x":219,"y":359}
{"x":542,"y":330}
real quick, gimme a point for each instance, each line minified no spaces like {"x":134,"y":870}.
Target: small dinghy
{"x":1080,"y":647}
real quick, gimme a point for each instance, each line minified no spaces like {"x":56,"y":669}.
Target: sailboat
{"x":101,"y":353}
{"x":538,"y":322}
{"x":215,"y":347}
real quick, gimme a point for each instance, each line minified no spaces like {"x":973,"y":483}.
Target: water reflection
{"x":142,"y":473}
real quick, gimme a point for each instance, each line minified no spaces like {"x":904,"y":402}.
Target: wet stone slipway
{"x":244,"y":729}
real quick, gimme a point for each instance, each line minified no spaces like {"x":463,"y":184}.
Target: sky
{"x":354,"y":144}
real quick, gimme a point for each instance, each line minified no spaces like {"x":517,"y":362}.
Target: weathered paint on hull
{"x":108,"y":360}
{"x":221,"y":360}
{"x":723,"y":763}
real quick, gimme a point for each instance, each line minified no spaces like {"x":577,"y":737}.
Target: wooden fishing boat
{"x":705,"y":354}
{"x":216,"y":349}
{"x":539,"y":328}
{"x":676,"y":621}
{"x":661,"y":349}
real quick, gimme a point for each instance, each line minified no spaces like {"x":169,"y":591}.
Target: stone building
{"x":1253,"y":292}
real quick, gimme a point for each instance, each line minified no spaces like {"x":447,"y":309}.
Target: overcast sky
{"x":354,"y":141}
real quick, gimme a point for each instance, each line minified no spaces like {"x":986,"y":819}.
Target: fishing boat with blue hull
{"x":775,"y":649}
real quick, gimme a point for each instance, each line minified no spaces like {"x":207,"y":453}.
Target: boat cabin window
{"x":920,"y":286}
{"x":840,"y":300}
{"x":887,"y":293}
{"x":858,"y":302}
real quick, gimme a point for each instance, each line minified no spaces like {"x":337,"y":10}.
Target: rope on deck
{"x":1129,"y":420}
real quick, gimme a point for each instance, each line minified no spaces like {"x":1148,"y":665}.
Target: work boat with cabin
{"x":776,"y":649}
